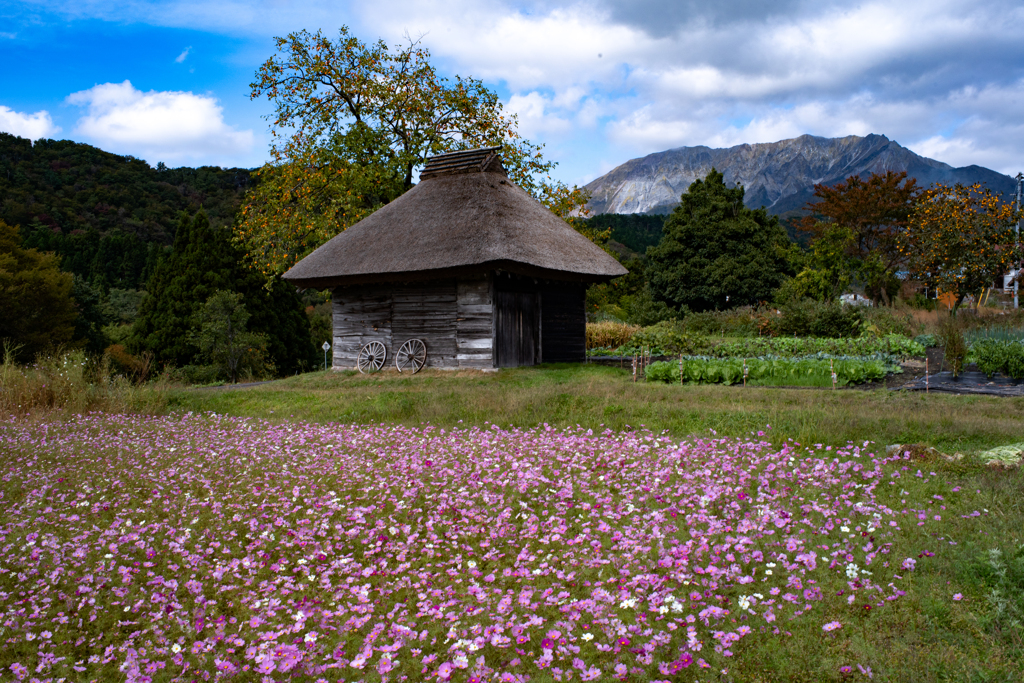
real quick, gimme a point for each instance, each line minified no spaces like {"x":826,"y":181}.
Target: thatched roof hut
{"x":464,"y":234}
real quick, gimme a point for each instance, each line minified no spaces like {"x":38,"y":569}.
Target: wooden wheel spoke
{"x":412,"y":356}
{"x":371,"y":357}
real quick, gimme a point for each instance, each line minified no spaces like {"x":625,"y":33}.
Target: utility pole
{"x":1016,"y":274}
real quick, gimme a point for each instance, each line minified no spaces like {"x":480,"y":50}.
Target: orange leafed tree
{"x":876,"y":211}
{"x":960,"y":239}
{"x":352,"y":124}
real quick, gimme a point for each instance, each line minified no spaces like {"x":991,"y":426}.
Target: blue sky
{"x":597,"y":82}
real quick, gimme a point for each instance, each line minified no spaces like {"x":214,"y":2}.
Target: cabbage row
{"x":784,"y":371}
{"x":894,"y":345}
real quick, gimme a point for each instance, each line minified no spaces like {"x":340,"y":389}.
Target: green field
{"x":598,"y":397}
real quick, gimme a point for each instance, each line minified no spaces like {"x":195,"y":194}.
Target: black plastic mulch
{"x":972,"y":382}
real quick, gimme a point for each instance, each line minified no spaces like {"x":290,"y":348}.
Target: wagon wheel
{"x":412,"y":355}
{"x":371,"y":357}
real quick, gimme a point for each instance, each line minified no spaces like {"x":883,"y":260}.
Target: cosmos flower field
{"x":196,"y":547}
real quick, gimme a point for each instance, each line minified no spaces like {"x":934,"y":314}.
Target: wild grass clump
{"x":609,"y":334}
{"x":72,"y":381}
{"x":954,"y":345}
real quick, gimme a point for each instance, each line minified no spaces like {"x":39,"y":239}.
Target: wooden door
{"x":517,"y":328}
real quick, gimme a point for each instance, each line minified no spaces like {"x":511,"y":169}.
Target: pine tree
{"x":202,"y":262}
{"x":716,"y":253}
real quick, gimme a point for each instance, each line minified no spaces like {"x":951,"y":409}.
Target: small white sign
{"x":326,"y":347}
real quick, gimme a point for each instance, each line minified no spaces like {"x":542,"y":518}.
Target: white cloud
{"x":31,"y":126}
{"x":158,"y":126}
{"x":184,"y":55}
{"x":935,"y":75}
{"x":533,"y":117}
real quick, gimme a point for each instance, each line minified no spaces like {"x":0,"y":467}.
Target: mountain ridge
{"x":777,"y":175}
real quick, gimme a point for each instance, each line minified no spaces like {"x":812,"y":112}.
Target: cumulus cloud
{"x":31,"y":126}
{"x":184,"y":55}
{"x":604,"y":79}
{"x":167,"y":126}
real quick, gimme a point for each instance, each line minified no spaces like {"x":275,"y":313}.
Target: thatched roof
{"x":464,"y":216}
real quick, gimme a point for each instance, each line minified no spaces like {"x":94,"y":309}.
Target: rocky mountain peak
{"x":777,"y":175}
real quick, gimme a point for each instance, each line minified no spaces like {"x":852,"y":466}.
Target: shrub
{"x":835,"y":320}
{"x":809,"y":318}
{"x":743,"y":321}
{"x":999,"y":355}
{"x":135,"y":368}
{"x":921,"y":302}
{"x":643,"y":309}
{"x":668,"y":337}
{"x":882,"y":320}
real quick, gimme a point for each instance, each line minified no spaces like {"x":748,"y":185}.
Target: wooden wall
{"x":360,"y":315}
{"x":453,"y":318}
{"x":459,"y":322}
{"x":474,"y":324}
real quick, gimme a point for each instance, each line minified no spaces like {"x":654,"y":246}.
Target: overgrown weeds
{"x":74,"y":382}
{"x":609,"y":334}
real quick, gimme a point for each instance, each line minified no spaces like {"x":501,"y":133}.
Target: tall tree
{"x":352,"y":123}
{"x":220,"y":331}
{"x":202,"y":262}
{"x":876,"y":210}
{"x":960,"y":239}
{"x":716,"y":253}
{"x":37,"y":310}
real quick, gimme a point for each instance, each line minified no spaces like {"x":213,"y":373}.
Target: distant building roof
{"x":464,"y":215}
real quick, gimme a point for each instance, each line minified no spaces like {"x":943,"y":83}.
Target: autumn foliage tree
{"x":352,"y":123}
{"x":876,"y":211}
{"x":960,"y":239}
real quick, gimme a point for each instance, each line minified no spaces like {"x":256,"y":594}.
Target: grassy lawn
{"x":599,"y":397}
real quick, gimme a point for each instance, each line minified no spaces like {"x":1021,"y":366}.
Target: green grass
{"x":599,"y":397}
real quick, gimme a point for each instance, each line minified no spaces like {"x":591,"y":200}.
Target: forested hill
{"x":107,"y":216}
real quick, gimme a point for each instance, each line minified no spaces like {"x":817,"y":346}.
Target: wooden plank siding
{"x":361,"y":315}
{"x":427,"y":312}
{"x":453,"y":319}
{"x":480,"y":322}
{"x":475,"y":324}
